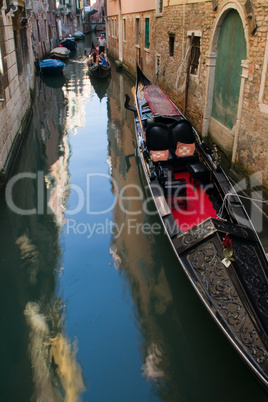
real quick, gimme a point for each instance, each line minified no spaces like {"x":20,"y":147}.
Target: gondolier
{"x":102,"y":43}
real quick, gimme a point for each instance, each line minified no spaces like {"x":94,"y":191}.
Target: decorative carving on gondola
{"x":232,"y":229}
{"x":205,"y":262}
{"x":194,"y":236}
{"x":249,"y":270}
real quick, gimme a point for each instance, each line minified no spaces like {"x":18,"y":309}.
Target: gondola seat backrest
{"x":183,"y":139}
{"x":158,"y":142}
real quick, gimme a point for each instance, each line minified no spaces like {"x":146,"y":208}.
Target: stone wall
{"x":16,"y":79}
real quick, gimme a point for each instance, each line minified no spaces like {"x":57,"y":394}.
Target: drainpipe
{"x":120,"y":33}
{"x":244,"y":76}
{"x":183,"y":30}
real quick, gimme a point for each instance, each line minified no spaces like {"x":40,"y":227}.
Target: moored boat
{"x":52,"y":66}
{"x":206,"y":223}
{"x":60,"y":52}
{"x":78,"y":35}
{"x":69,"y":43}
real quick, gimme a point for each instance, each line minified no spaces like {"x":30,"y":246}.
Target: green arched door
{"x":230,"y":51}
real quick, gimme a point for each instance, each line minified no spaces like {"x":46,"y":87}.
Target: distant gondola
{"x":99,"y":71}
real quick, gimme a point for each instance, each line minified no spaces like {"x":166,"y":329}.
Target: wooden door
{"x":230,"y":51}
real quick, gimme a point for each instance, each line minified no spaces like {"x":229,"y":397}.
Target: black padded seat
{"x":182,"y":131}
{"x":198,"y":172}
{"x":157,"y":140}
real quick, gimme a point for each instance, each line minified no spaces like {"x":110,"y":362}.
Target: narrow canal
{"x":93,"y":305}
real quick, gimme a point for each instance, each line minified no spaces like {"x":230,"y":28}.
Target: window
{"x":137,"y":26}
{"x":109,"y":27}
{"x":171,"y":44}
{"x":159,"y":6}
{"x":147,"y":33}
{"x":195,"y":54}
{"x":114,"y":27}
{"x":157,"y":64}
{"x":124,"y":29}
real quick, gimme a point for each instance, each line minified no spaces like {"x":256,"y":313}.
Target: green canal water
{"x":93,"y":304}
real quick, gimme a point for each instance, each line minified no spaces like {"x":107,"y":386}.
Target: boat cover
{"x":61,"y":50}
{"x":52,"y":63}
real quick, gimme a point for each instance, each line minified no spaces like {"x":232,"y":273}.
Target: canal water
{"x":93,"y":305}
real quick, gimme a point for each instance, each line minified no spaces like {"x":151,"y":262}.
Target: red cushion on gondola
{"x":159,"y":155}
{"x":184,"y":149}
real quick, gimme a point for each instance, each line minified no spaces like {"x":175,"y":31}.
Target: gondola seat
{"x":198,"y":172}
{"x":158,"y":142}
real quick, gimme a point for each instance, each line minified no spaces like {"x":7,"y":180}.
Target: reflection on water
{"x":150,"y":368}
{"x":29,"y":255}
{"x":53,"y":358}
{"x":54,"y":81}
{"x":100,"y":86}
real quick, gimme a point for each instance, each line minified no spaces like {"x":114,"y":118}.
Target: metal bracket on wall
{"x":251,"y":17}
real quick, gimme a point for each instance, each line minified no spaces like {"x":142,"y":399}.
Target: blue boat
{"x":52,"y":66}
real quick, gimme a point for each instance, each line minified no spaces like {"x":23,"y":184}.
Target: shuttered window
{"x":195,"y":54}
{"x":147,"y":33}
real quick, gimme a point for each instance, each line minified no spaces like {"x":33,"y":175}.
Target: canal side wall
{"x":17,"y":75}
{"x":246,"y":142}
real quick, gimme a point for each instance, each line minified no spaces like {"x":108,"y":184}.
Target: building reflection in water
{"x":33,"y":259}
{"x":133,"y":251}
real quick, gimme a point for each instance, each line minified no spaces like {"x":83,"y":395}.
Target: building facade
{"x":29,"y":30}
{"x":211,"y":58}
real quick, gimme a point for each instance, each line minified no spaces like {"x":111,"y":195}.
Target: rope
{"x":181,"y":69}
{"x":219,"y":215}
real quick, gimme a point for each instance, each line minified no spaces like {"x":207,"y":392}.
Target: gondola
{"x":99,"y":71}
{"x":205,"y":221}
